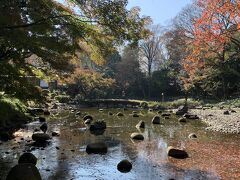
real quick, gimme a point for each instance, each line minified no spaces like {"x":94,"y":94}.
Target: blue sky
{"x":161,"y":11}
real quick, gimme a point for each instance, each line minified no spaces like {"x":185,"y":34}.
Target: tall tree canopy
{"x":216,"y":42}
{"x":54,"y":32}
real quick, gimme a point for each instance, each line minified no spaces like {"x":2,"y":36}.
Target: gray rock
{"x":24,"y":172}
{"x":137,"y":136}
{"x":78,"y":113}
{"x":192,"y":136}
{"x":135,"y":115}
{"x":124,"y":166}
{"x":27,"y":158}
{"x":40,"y":137}
{"x":98,"y":125}
{"x":55,"y":134}
{"x":176,"y":153}
{"x":44,"y":127}
{"x":226,"y":113}
{"x":190,"y":116}
{"x":110,"y":113}
{"x":88,"y":121}
{"x":182,"y":110}
{"x":141,"y":124}
{"x":156,"y":120}
{"x":87,"y":117}
{"x":182,"y":120}
{"x":120,"y":114}
{"x":97,"y":148}
{"x":46,"y":112}
{"x":42,"y":119}
{"x":166,"y":114}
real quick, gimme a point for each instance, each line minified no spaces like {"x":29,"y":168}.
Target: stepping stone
{"x":97,"y":148}
{"x":124,"y":166}
{"x":176,"y":153}
{"x":137,"y":136}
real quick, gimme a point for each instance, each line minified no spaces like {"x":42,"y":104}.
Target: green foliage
{"x":47,"y":34}
{"x":89,"y":85}
{"x":163,"y":82}
{"x":63,"y":98}
{"x":12,"y":111}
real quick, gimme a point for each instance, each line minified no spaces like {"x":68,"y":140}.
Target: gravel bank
{"x":217,"y":121}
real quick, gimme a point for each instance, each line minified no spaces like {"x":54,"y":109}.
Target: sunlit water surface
{"x":211,"y":155}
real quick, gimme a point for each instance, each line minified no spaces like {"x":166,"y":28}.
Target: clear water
{"x":211,"y":155}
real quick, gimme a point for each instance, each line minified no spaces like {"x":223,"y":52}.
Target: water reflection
{"x":65,"y":157}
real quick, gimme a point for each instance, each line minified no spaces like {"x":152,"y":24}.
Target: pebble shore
{"x":218,"y":121}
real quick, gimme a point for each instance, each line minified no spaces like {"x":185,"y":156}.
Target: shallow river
{"x":211,"y":155}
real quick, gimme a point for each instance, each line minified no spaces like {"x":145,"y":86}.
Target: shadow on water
{"x":65,"y":157}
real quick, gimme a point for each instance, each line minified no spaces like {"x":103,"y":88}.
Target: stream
{"x":211,"y":156}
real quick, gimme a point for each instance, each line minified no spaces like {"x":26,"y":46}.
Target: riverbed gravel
{"x":218,"y":121}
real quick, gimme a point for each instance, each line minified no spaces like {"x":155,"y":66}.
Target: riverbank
{"x":218,"y":121}
{"x":12,"y":117}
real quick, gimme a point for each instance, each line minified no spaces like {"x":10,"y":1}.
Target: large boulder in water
{"x":137,"y":136}
{"x":182,"y":110}
{"x":24,"y":172}
{"x":156,"y":120}
{"x":27,"y":158}
{"x":176,"y":153}
{"x":97,"y":148}
{"x":40,"y":137}
{"x":124,"y":166}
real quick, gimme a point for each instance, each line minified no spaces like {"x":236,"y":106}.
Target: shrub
{"x":12,"y":111}
{"x":63,"y":98}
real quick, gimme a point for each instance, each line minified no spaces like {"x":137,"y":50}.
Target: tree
{"x":216,"y":31}
{"x":87,"y":84}
{"x":129,"y":77}
{"x":55,"y":32}
{"x":151,"y":50}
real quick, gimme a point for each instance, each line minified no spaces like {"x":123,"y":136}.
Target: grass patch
{"x":12,"y":111}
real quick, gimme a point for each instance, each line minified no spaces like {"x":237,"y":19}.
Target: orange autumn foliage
{"x":213,"y":30}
